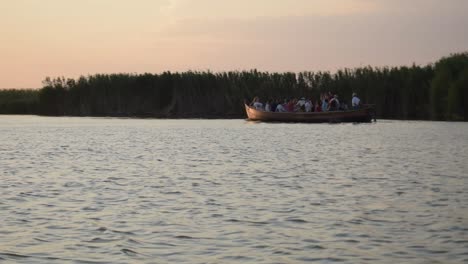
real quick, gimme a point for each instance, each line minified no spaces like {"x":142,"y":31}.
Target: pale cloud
{"x":420,"y":8}
{"x":247,"y":9}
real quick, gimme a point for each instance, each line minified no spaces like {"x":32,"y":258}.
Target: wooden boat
{"x":364,"y":114}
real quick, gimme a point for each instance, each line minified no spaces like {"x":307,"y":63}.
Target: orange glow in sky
{"x":40,"y":38}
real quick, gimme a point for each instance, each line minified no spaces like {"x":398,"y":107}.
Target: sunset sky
{"x":40,"y":38}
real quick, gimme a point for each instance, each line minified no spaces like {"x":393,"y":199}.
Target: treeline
{"x":433,"y":92}
{"x":19,"y":101}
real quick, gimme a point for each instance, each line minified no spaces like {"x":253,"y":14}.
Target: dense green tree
{"x":448,"y":88}
{"x":19,"y":101}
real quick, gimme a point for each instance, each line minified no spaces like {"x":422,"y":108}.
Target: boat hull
{"x":361,"y":115}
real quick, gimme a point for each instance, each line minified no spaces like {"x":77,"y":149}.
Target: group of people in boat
{"x":327,"y":102}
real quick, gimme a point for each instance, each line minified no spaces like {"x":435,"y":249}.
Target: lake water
{"x":105,"y":190}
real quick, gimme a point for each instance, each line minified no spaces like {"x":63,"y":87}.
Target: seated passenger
{"x":267,"y":107}
{"x":274,"y":104}
{"x":256,"y":104}
{"x":325,"y":105}
{"x":308,"y":106}
{"x":290,"y":106}
{"x":280,"y":108}
{"x":338,"y":104}
{"x":318,"y":108}
{"x":334,"y":104}
{"x":344,"y":106}
{"x":300,"y":105}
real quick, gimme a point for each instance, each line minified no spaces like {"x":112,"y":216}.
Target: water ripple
{"x":98,"y":190}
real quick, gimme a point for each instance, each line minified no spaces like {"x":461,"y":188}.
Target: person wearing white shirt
{"x":256,"y":103}
{"x":280,"y":108}
{"x":301,"y":102}
{"x":355,"y":102}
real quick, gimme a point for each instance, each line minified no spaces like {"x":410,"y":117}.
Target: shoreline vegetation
{"x":436,"y":91}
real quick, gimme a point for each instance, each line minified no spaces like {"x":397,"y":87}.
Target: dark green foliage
{"x":16,"y":101}
{"x":449,"y":88}
{"x":437,"y":92}
{"x":104,"y":95}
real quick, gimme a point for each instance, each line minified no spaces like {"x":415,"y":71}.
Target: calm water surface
{"x":102,"y":190}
